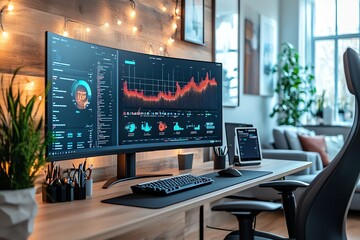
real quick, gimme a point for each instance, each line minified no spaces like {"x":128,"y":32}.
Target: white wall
{"x":292,"y":24}
{"x":254,"y":109}
{"x":289,"y":22}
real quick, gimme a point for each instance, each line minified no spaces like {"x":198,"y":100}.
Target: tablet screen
{"x":248,"y":144}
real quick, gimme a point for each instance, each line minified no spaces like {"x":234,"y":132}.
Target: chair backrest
{"x":323,"y":208}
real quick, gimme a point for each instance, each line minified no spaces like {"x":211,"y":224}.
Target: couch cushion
{"x":315,"y":144}
{"x":333,"y":145}
{"x":293,"y":139}
{"x":280,"y":141}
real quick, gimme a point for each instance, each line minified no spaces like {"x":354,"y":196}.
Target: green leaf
{"x":22,"y":145}
{"x":295,"y":86}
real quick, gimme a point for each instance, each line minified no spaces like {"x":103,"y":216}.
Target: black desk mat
{"x":150,"y":201}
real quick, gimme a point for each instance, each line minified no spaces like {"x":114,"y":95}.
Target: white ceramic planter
{"x":17,"y":212}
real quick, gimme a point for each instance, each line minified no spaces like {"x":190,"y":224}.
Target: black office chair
{"x":322,"y":210}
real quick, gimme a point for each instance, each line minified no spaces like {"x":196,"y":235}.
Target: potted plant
{"x":295,"y":86}
{"x":22,"y":155}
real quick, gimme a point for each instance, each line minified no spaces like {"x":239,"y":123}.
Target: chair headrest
{"x":352,"y":69}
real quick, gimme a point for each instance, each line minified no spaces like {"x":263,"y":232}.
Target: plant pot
{"x":17,"y":212}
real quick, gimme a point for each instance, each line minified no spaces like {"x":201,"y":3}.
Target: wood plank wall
{"x":25,"y":46}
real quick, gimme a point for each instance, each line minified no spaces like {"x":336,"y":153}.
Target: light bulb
{"x":10,"y":7}
{"x":88,"y":29}
{"x":132,"y":13}
{"x":177,"y":11}
{"x":174,"y":26}
{"x":164,"y":9}
{"x":161,"y":49}
{"x":40,"y":98}
{"x":107,"y":24}
{"x":171,"y":40}
{"x":134,"y":29}
{"x":5,"y":34}
{"x":65,"y":33}
{"x":119,"y":22}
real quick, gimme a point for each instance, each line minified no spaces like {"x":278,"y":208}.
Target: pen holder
{"x":48,"y":193}
{"x":61,"y":193}
{"x":185,"y":160}
{"x":220,"y":162}
{"x":79,"y":193}
{"x":89,"y":186}
{"x":69,"y":192}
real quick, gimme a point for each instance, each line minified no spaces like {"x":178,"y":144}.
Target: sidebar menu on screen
{"x":83,"y":96}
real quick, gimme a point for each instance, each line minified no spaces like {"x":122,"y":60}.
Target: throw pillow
{"x":280,"y":141}
{"x":293,"y":139}
{"x":315,"y":144}
{"x":333,"y":145}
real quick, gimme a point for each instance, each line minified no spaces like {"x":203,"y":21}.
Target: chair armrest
{"x":284,"y":185}
{"x":296,"y":155}
{"x":248,"y":206}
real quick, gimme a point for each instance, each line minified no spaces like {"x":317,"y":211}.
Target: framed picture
{"x":193,"y":21}
{"x":226,"y":23}
{"x":268,"y":53}
{"x":251,"y":52}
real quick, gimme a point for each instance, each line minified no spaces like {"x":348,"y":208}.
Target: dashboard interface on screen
{"x":104,"y":100}
{"x":248,"y":145}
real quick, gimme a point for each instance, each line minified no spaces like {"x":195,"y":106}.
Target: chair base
{"x":258,"y":236}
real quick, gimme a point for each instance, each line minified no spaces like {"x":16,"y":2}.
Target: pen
{"x":214,"y":149}
{"x":90,"y":171}
{"x":84,"y":167}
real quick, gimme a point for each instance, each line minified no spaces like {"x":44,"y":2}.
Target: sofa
{"x":287,"y":145}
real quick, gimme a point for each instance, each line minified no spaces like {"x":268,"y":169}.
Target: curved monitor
{"x":107,"y":101}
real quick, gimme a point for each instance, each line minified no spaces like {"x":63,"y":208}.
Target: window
{"x":335,"y":26}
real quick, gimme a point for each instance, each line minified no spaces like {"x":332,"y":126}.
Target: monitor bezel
{"x":124,"y":149}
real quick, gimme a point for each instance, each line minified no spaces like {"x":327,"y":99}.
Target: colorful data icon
{"x":130,"y":127}
{"x":162,"y":126}
{"x":146,"y":127}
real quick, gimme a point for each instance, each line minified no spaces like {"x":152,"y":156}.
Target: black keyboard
{"x":171,"y":185}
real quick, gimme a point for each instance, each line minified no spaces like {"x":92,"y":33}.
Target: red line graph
{"x":169,"y":96}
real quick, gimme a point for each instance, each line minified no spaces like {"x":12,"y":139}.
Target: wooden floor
{"x":274,"y":222}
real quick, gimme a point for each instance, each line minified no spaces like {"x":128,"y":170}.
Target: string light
{"x":134,"y":29}
{"x":151,"y":49}
{"x":133,"y":6}
{"x":9,"y":7}
{"x":164,"y":50}
{"x":171,"y":40}
{"x":65,"y":32}
{"x":177,"y":11}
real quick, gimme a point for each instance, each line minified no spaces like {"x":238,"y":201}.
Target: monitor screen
{"x":106,"y":101}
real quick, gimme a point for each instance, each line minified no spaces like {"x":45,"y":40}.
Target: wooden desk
{"x":91,"y":219}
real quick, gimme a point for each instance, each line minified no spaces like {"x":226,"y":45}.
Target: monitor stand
{"x":126,"y":170}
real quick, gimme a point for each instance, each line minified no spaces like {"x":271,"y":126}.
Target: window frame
{"x":336,"y":38}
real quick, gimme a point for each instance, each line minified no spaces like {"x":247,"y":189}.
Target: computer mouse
{"x":229,"y":172}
